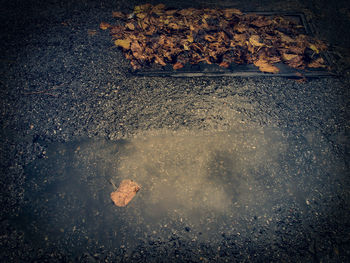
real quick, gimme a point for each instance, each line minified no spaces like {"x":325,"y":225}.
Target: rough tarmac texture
{"x":232,"y":169}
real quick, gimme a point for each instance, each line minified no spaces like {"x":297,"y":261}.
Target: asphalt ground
{"x":232,"y":169}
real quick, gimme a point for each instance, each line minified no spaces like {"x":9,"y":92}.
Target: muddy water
{"x":195,"y":184}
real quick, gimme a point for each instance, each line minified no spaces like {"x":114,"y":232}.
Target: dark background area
{"x":70,"y":110}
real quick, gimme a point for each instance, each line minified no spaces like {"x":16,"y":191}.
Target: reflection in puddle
{"x":197,"y":174}
{"x":207,"y":183}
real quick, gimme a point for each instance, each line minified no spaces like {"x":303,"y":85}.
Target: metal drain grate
{"x":243,"y":70}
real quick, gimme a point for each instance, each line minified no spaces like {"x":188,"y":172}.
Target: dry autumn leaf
{"x":92,"y":32}
{"x":142,"y":8}
{"x":240,"y":28}
{"x":130,"y":26}
{"x":159,"y":7}
{"x":255,"y":41}
{"x":178,"y":65}
{"x":104,"y":25}
{"x":141,"y":15}
{"x":240,"y":39}
{"x":264,"y":66}
{"x":285,"y":38}
{"x":124,"y":43}
{"x":296,"y":62}
{"x":209,"y":38}
{"x":314,"y":48}
{"x":318,"y":63}
{"x":173,"y":26}
{"x":287,"y":57}
{"x":125,"y":192}
{"x":170,"y":12}
{"x":261,"y":21}
{"x":118,"y":15}
{"x":224,"y":64}
{"x":186,"y":12}
{"x":228,"y":13}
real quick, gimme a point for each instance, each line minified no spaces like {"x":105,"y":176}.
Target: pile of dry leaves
{"x":155,"y":34}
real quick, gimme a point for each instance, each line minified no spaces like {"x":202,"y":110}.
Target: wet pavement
{"x":258,"y":186}
{"x":231,"y":169}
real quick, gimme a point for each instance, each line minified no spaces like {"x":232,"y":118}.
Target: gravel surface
{"x":231,"y":169}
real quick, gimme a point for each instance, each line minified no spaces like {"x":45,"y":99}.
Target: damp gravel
{"x":231,"y":169}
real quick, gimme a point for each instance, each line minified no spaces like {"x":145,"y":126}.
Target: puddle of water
{"x":206,"y":182}
{"x":195,"y":174}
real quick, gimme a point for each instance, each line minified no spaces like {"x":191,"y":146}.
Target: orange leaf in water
{"x":125,"y":192}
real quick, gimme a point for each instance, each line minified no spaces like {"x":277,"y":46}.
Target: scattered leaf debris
{"x":125,"y":192}
{"x":92,"y":32}
{"x":157,"y":35}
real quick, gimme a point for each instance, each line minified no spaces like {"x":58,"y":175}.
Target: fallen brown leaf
{"x":224,"y":64}
{"x":285,"y":38}
{"x":124,"y":43}
{"x":229,"y":12}
{"x":104,"y":25}
{"x":159,"y":60}
{"x":209,"y":38}
{"x":92,"y":32}
{"x":130,"y":26}
{"x":186,"y":12}
{"x":118,"y":15}
{"x":287,"y":57}
{"x":261,"y":21}
{"x":318,"y":63}
{"x":125,"y":192}
{"x":178,"y":65}
{"x":296,"y":62}
{"x":240,"y":28}
{"x":142,"y":8}
{"x":170,"y":12}
{"x":255,"y":41}
{"x":264,"y":66}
